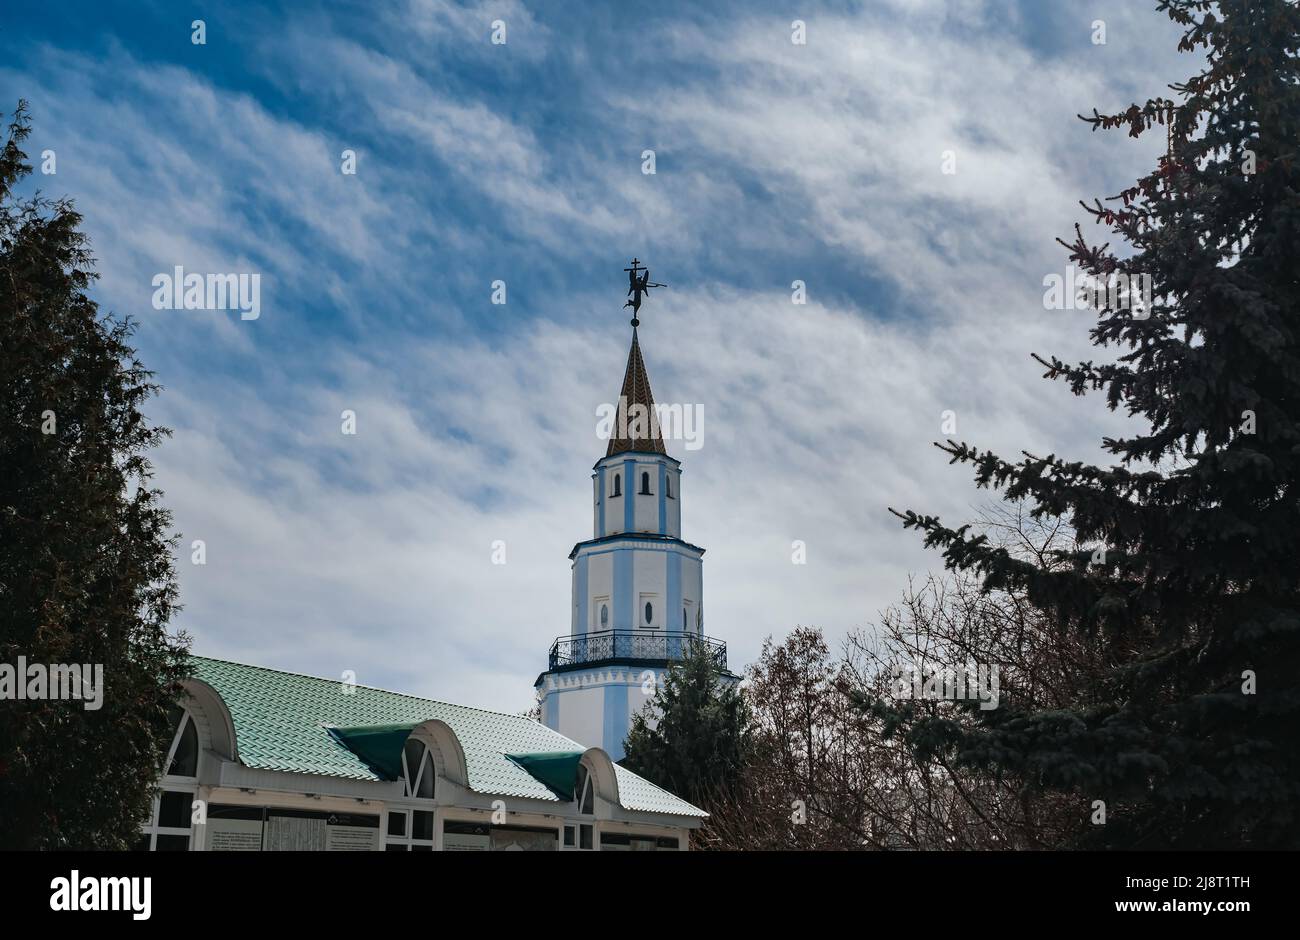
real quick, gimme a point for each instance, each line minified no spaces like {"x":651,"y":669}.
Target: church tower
{"x":638,"y":587}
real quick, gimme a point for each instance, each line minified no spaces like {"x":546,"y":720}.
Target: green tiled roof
{"x":281,"y":718}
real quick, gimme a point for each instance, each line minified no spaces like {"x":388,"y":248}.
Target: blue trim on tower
{"x":616,"y":725}
{"x":580,"y":588}
{"x":633,"y":536}
{"x":622,"y":602}
{"x":674,"y":577}
{"x":636,"y":453}
{"x":663,"y":500}
{"x":600,"y":502}
{"x":629,"y":495}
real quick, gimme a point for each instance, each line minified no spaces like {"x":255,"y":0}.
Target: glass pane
{"x":414,"y":751}
{"x":141,"y":844}
{"x":173,"y":843}
{"x":425,"y":790}
{"x":568,"y":835}
{"x":585,"y":832}
{"x":174,"y":810}
{"x":185,"y":762}
{"x":580,"y":785}
{"x":394,"y":848}
{"x":649,"y":613}
{"x":423,"y":828}
{"x":421,"y":848}
{"x":175,"y":715}
{"x":396,"y":824}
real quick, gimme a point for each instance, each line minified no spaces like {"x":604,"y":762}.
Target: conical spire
{"x":635,"y":429}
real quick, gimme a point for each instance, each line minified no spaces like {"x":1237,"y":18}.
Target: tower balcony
{"x":632,"y":647}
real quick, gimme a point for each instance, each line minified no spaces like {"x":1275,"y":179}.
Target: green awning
{"x":379,"y":746}
{"x":557,"y":769}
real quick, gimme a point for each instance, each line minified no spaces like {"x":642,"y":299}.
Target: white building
{"x":264,"y":760}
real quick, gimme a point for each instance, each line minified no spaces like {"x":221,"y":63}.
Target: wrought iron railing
{"x":640,"y":645}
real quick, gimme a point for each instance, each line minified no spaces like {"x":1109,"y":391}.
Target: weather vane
{"x":638,"y":279}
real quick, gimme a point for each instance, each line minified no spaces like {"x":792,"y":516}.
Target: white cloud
{"x":372,"y":553}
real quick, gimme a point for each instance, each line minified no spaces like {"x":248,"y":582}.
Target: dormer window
{"x":645,"y":484}
{"x":618,"y":485}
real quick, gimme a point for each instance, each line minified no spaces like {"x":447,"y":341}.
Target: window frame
{"x":175,"y":783}
{"x":411,"y":803}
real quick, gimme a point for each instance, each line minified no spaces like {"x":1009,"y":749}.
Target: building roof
{"x":283,"y":722}
{"x":643,"y":434}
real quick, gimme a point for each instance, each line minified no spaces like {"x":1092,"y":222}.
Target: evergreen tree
{"x":701,"y":740}
{"x":86,"y":571}
{"x":1192,"y":594}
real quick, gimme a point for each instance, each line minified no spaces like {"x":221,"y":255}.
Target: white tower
{"x":638,"y":588}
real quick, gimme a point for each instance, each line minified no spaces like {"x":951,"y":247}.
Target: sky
{"x":523,"y":162}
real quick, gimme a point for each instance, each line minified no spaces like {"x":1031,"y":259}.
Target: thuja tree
{"x":1191,"y":589}
{"x":86,"y":572}
{"x":694,"y":736}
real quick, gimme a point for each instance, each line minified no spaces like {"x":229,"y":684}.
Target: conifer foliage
{"x":1190,"y":591}
{"x":702,"y":737}
{"x":86,"y":572}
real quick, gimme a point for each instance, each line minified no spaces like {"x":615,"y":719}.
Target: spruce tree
{"x":86,"y":572}
{"x":701,"y":739}
{"x":1190,"y":587}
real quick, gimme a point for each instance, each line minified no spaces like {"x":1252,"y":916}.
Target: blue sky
{"x":522,"y":162}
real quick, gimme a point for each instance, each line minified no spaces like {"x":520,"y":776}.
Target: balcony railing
{"x":632,"y":645}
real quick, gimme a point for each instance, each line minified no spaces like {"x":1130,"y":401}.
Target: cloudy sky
{"x":522,"y":162}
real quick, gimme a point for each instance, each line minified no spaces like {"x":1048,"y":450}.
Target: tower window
{"x":668,"y":487}
{"x":604,"y":615}
{"x":645,"y":484}
{"x":618,"y":485}
{"x":649,"y":612}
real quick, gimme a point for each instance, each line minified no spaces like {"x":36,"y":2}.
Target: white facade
{"x":210,"y":800}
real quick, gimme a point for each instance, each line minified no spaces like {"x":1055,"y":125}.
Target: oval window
{"x":649,"y":613}
{"x":604,"y":615}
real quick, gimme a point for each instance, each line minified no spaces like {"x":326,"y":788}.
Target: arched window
{"x":409,"y":825}
{"x":645,"y":483}
{"x":604,"y":615}
{"x":618,"y":485}
{"x":170,"y":823}
{"x":649,"y":612}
